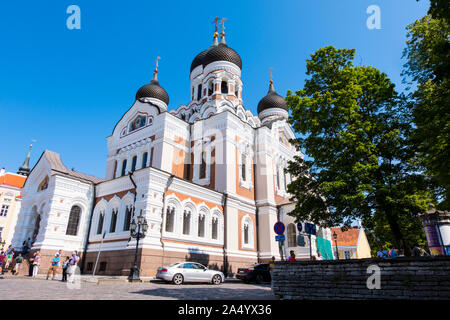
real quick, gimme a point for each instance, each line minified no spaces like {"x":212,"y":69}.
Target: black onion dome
{"x":272,"y":100}
{"x":198,"y":60}
{"x":153,"y":90}
{"x":222,"y":52}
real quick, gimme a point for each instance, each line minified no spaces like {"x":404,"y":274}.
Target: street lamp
{"x":138,"y":229}
{"x":335,"y":242}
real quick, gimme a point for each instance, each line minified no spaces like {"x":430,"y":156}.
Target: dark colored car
{"x":258,"y":273}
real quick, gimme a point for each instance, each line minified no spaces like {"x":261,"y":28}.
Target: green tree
{"x":427,"y":68}
{"x":354,"y":131}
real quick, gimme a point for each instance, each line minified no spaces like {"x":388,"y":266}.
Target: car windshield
{"x":174,"y":264}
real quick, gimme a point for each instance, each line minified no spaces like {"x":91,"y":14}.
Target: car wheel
{"x":178,"y":279}
{"x":216,"y":279}
{"x":259,"y":279}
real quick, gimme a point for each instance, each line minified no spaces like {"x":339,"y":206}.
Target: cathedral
{"x":208,"y":177}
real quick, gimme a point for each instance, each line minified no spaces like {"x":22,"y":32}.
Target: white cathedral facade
{"x":208,"y":177}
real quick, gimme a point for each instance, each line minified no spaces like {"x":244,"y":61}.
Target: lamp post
{"x":138,"y":229}
{"x":335,"y":243}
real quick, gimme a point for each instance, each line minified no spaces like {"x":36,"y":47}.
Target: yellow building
{"x":10,"y":200}
{"x":351,"y":244}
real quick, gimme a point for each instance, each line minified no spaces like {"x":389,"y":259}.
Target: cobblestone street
{"x":37,"y":289}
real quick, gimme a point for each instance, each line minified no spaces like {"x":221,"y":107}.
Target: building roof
{"x":272,"y":100}
{"x":57,"y":166}
{"x":346,"y":238}
{"x":12,"y":179}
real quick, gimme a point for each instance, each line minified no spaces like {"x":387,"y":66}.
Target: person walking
{"x":54,"y":265}
{"x":271,"y":266}
{"x":30,"y":264}
{"x":18,"y":265}
{"x":64,"y":269}
{"x":73,"y":266}
{"x":36,"y":263}
{"x":2,"y":258}
{"x":9,"y":258}
{"x":393,"y":253}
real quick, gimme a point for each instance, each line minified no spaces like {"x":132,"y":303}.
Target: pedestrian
{"x":54,"y":265}
{"x":73,"y":266}
{"x":26,"y":245}
{"x":2,"y":258}
{"x":416,"y":252}
{"x":30,"y":264}
{"x":393,"y":253}
{"x":319,"y":256}
{"x":64,"y":269}
{"x":9,"y":258}
{"x":271,"y":266}
{"x":292,"y":257}
{"x":401,"y":253}
{"x":18,"y":265}
{"x":36,"y":263}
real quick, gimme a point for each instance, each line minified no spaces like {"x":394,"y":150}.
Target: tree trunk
{"x":396,"y":232}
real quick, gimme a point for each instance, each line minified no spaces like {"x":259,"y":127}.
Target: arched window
{"x":285,"y":180}
{"x":236,"y":91}
{"x":292,"y":235}
{"x":224,"y":87}
{"x":202,"y":174}
{"x":133,"y":164}
{"x":210,"y":88}
{"x":215,"y":228}
{"x":101,"y":217}
{"x":278,"y":176}
{"x":127,"y":220}
{"x":112,"y":225}
{"x":243,"y":166}
{"x":124,"y":167}
{"x":144,"y":159}
{"x":246,"y":233}
{"x":201,"y":225}
{"x":186,"y":222}
{"x":170,"y":217}
{"x":74,"y":219}
{"x":199,"y":92}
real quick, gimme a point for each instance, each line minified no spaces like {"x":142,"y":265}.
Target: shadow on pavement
{"x":213,"y":293}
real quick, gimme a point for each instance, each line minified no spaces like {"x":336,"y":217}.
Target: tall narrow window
{"x":203,"y":166}
{"x":170,"y":217}
{"x":292,"y":235}
{"x":278,"y":177}
{"x":127,"y":220}
{"x":210,"y":88}
{"x":285,"y":180}
{"x":124,"y":167}
{"x":244,"y":167}
{"x":133,"y":164}
{"x":236,"y":91}
{"x":224,"y":86}
{"x":101,"y":217}
{"x":215,"y":228}
{"x":199,"y":92}
{"x":186,"y":222}
{"x":144,"y":159}
{"x":201,"y":225}
{"x":112,"y":226}
{"x":74,"y":219}
{"x":246,"y":233}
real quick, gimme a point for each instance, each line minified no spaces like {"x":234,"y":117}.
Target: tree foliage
{"x":427,"y":66}
{"x":354,"y":131}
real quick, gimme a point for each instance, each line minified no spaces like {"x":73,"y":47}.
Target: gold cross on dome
{"x":270,"y":72}
{"x":222,"y":22}
{"x":215,"y":23}
{"x":157,"y":59}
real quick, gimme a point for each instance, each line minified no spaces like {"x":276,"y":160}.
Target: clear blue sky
{"x":68,"y":88}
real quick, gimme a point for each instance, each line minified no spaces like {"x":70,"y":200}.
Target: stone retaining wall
{"x":399,"y":278}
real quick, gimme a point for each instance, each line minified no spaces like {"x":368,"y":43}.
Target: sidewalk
{"x":95,"y":279}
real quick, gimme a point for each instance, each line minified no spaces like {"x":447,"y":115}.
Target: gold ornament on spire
{"x":270,"y":72}
{"x":215,"y":26}
{"x":222,"y":22}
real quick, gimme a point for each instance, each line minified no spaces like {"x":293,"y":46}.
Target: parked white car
{"x":189,"y":272}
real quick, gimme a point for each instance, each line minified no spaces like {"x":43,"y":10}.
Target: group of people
{"x":417,"y":251}
{"x":14,"y":264}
